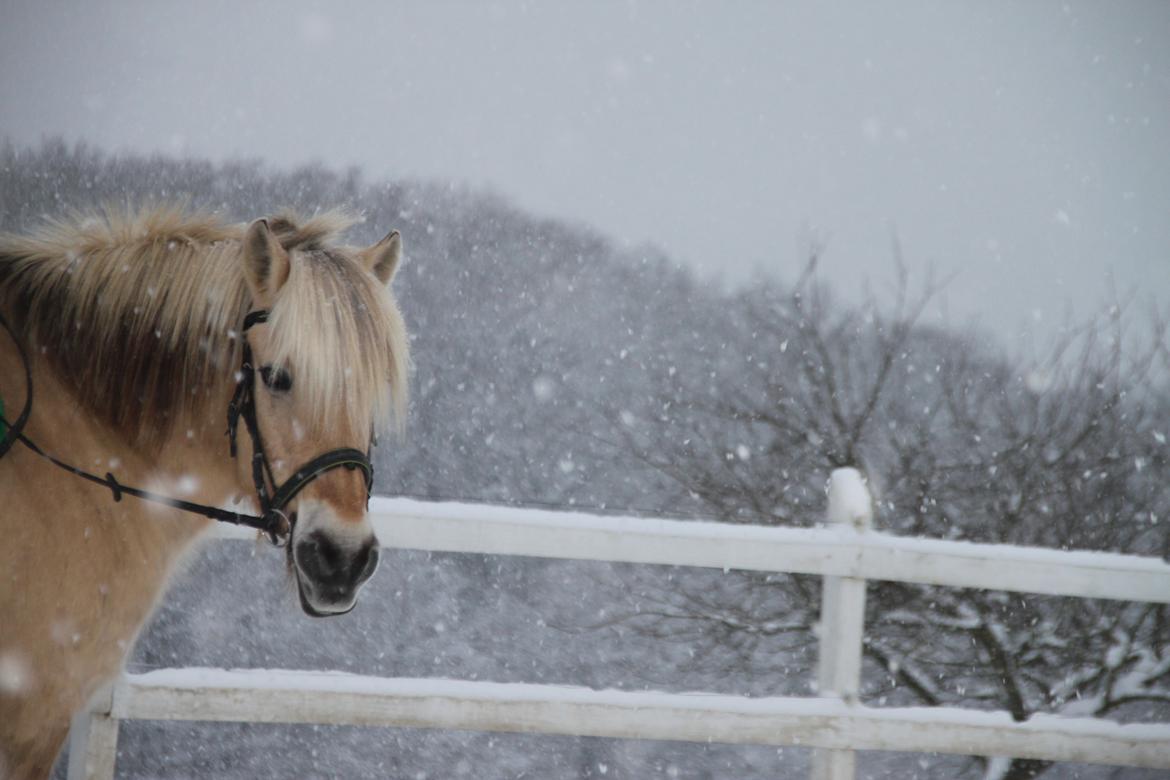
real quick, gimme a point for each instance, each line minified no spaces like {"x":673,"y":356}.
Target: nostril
{"x":329,"y":552}
{"x":318,"y":557}
{"x":319,"y":551}
{"x":372,"y":557}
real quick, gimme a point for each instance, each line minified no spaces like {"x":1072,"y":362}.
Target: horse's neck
{"x":193,"y":464}
{"x":89,"y":569}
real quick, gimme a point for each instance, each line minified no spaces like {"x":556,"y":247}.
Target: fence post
{"x":842,"y":620}
{"x":93,"y":740}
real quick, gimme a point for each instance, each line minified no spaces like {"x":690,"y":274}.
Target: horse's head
{"x":330,"y":365}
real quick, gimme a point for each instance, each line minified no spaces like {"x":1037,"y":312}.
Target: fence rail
{"x":839,"y":550}
{"x":846,"y":553}
{"x":279,"y":696}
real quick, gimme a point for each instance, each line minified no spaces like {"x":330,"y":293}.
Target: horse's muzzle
{"x":329,"y":575}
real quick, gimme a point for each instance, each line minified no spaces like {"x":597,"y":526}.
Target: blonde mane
{"x":138,"y":314}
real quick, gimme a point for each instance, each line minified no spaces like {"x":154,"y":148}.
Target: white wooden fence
{"x":845,"y":552}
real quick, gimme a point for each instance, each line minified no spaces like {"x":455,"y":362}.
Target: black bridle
{"x":273,"y":498}
{"x":272,"y":503}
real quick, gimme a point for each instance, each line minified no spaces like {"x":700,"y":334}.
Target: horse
{"x":138,"y":328}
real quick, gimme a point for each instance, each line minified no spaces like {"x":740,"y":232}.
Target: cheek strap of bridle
{"x":274,"y":500}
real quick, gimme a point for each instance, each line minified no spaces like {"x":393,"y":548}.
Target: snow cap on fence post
{"x":849,"y":499}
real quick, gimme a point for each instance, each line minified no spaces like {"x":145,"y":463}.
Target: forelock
{"x":338,"y":329}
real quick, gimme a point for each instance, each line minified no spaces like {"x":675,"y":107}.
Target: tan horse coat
{"x":80,"y":572}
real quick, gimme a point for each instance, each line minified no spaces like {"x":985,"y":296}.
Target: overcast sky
{"x":1024,"y":145}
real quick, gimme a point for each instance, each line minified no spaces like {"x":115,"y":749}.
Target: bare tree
{"x":959,"y":442}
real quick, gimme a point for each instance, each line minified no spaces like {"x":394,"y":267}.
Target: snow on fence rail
{"x":846,"y":554}
{"x":839,"y":550}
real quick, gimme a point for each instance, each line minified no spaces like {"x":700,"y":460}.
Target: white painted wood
{"x":840,"y":552}
{"x":93,"y":739}
{"x":314,"y":697}
{"x":842,"y":629}
{"x":839,"y":664}
{"x":842,"y":625}
{"x":78,"y":746}
{"x":833,"y":764}
{"x":93,"y":747}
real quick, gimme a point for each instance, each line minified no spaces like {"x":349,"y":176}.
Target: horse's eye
{"x":276,"y":379}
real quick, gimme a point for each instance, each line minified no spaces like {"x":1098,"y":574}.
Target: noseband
{"x":272,"y":519}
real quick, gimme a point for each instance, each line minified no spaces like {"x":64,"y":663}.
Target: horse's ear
{"x":266,"y":263}
{"x":382,"y":258}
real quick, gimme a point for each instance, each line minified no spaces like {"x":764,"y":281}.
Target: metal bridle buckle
{"x":279,"y":527}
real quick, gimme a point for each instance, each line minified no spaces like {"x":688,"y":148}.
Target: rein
{"x":272,"y":520}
